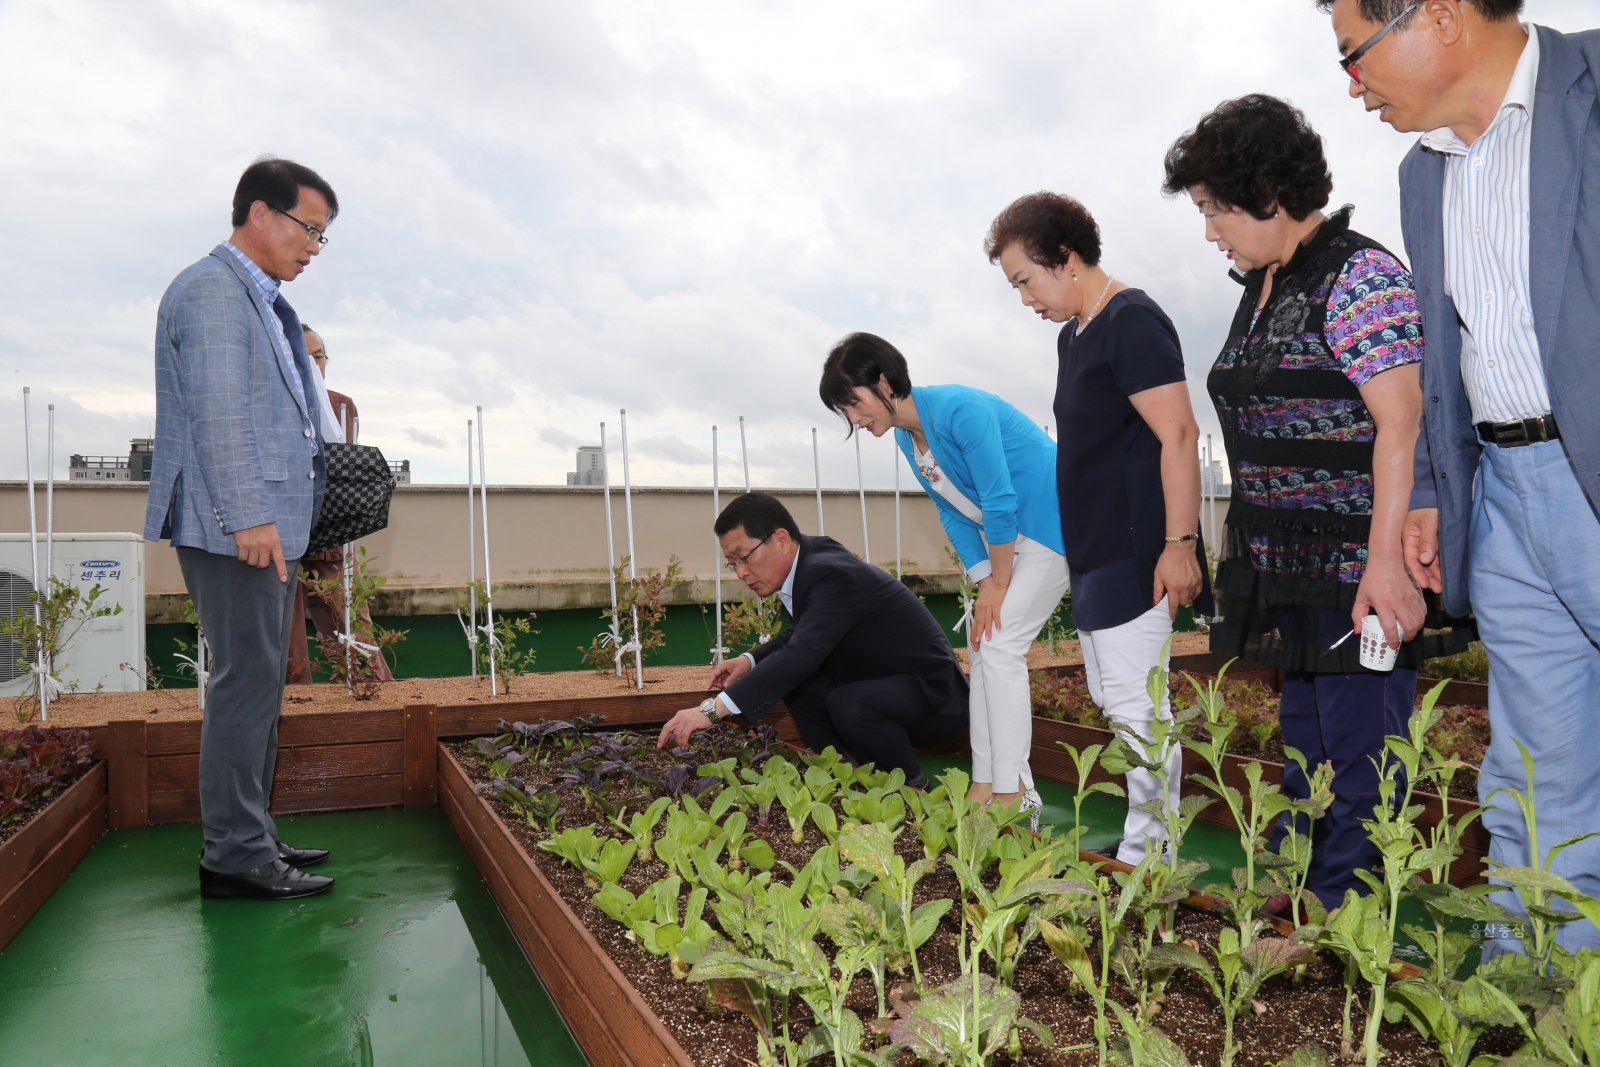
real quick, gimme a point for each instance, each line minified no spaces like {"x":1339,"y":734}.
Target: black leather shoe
{"x":1108,"y":851}
{"x":301,"y":857}
{"x":270,"y":881}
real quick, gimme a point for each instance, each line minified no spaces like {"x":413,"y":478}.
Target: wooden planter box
{"x":610,"y":1021}
{"x":39,"y":857}
{"x":1051,"y":760}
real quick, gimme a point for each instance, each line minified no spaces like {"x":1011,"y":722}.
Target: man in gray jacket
{"x":1500,"y":205}
{"x":236,"y":484}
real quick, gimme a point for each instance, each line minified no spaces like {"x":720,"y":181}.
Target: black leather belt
{"x":1519,"y":431}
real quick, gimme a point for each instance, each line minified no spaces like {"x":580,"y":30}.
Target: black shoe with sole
{"x":270,"y":881}
{"x":1108,"y":851}
{"x":301,"y":857}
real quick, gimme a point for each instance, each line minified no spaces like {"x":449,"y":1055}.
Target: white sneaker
{"x":1033,"y":805}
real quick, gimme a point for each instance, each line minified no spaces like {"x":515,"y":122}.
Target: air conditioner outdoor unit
{"x":106,"y":653}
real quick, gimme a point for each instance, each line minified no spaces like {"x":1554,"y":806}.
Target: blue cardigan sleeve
{"x":976,"y":431}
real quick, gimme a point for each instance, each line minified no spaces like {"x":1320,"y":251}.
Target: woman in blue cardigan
{"x":992,"y":473}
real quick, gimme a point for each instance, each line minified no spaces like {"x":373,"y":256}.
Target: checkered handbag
{"x":355,"y":501}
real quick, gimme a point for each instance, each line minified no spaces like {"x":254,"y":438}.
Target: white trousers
{"x":1117,"y":664}
{"x":1001,"y":702}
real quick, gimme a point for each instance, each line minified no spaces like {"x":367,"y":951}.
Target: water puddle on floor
{"x":407,"y":962}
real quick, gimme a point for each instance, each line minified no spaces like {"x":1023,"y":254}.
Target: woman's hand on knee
{"x":986,"y":612}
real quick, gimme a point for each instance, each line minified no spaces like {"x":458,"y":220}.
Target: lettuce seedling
{"x":872,"y":847}
{"x":1239,"y":974}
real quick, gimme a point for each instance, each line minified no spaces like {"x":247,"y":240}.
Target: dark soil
{"x":36,"y":803}
{"x":713,"y":1037}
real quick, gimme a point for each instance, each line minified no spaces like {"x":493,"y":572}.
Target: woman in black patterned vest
{"x":1318,"y":390}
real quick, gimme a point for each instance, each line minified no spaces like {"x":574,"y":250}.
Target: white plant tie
{"x":349,"y":642}
{"x":610,"y":638}
{"x":46,"y":683}
{"x":488,"y":632}
{"x":200,"y":676}
{"x":472,"y":635}
{"x":965,"y":622}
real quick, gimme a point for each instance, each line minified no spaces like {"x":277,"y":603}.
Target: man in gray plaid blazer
{"x":236,"y":485}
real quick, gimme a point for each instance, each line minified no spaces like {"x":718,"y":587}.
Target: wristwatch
{"x":708,"y":708}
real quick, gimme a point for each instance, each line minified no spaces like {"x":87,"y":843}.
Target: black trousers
{"x":879,"y":721}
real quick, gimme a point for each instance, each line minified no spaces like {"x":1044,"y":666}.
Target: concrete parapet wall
{"x":547,"y":543}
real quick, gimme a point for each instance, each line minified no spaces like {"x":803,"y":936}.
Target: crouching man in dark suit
{"x":864,"y":668}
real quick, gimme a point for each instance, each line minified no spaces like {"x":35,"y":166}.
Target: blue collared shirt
{"x":269,"y":287}
{"x":1486,"y":239}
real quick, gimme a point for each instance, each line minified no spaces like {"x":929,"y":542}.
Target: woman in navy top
{"x":991,"y":472}
{"x":1127,"y":468}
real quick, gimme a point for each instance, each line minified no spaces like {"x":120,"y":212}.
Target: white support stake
{"x":344,"y":573}
{"x":611,"y":545}
{"x":41,"y":667}
{"x":716,"y":552}
{"x":744,"y":452}
{"x":861,"y":489}
{"x":633,"y":562}
{"x":488,"y":582}
{"x":816,"y":467}
{"x":897,"y":572}
{"x":472,"y":565}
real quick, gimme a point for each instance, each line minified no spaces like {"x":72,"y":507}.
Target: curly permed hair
{"x":1253,"y":153}
{"x":1049,"y":226}
{"x":1384,"y":10}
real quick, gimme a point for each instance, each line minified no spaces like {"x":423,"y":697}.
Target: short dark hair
{"x":1253,"y":153}
{"x":276,"y":183}
{"x":305,"y":327}
{"x":860,"y":360}
{"x":1384,"y":10}
{"x":761,"y":515}
{"x":1049,"y":226}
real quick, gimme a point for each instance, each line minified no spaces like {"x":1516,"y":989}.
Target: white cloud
{"x":560,"y":210}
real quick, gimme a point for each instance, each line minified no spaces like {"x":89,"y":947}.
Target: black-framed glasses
{"x":1349,"y":62}
{"x":744,"y":560}
{"x":312,"y":233}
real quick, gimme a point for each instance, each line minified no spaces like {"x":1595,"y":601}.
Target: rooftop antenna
{"x":633,"y":644}
{"x":41,"y":666}
{"x":744,"y":452}
{"x":611,"y":546}
{"x":816,"y":466}
{"x":716,"y":554}
{"x":488,"y":584}
{"x":471,"y":625}
{"x":861,"y":489}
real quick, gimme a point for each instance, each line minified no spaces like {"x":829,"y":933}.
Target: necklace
{"x":1084,"y":323}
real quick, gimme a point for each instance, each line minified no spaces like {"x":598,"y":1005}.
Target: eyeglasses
{"x":744,"y":560}
{"x":1349,"y":62}
{"x":312,"y":233}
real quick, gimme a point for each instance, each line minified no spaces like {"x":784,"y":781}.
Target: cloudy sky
{"x":556,"y":210}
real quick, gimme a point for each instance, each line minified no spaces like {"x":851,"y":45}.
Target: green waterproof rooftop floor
{"x":406,"y":962}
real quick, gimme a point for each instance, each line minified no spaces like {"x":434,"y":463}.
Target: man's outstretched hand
{"x":681,"y":727}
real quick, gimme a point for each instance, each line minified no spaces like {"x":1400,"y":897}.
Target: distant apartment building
{"x":401,"y":471}
{"x":134,"y":467}
{"x":591,"y":467}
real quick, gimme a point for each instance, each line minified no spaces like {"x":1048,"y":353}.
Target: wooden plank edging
{"x":38,"y":858}
{"x":609,"y":1019}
